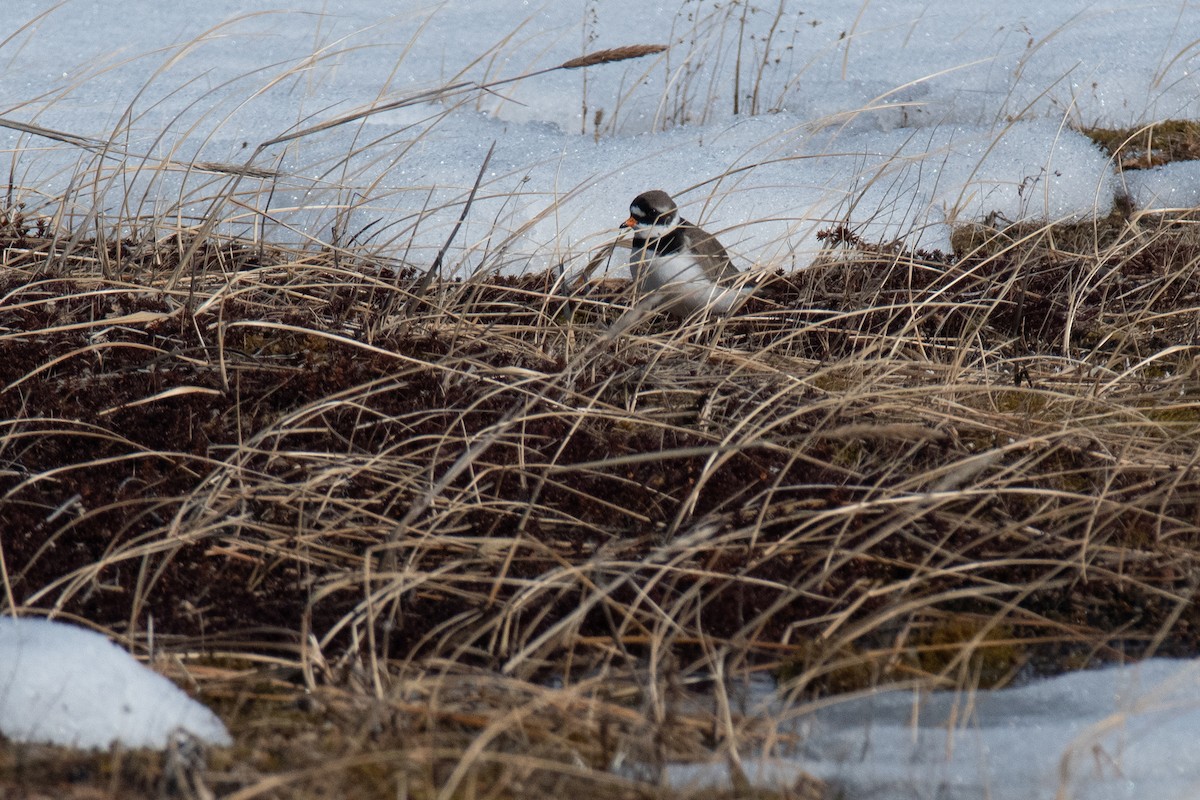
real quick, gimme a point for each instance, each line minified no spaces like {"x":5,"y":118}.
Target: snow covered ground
{"x":62,"y":684}
{"x":900,"y":119}
{"x":1114,"y":734}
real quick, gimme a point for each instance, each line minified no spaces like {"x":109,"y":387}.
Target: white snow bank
{"x":899,"y":119}
{"x":1170,"y":186}
{"x":61,"y":684}
{"x":1122,"y":733}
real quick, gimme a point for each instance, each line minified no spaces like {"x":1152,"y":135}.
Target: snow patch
{"x":65,"y":685}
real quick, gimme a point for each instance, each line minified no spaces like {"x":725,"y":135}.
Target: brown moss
{"x":1150,"y":145}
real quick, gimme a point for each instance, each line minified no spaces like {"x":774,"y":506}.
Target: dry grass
{"x":371,"y":523}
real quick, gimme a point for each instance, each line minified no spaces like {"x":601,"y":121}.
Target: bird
{"x":678,"y":266}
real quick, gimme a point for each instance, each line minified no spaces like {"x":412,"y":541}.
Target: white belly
{"x":683,"y":286}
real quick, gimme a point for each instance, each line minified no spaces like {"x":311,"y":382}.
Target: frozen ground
{"x":901,"y":118}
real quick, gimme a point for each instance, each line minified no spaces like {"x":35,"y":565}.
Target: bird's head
{"x":652,"y":214}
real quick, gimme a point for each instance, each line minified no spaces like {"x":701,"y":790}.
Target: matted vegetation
{"x":360,"y":514}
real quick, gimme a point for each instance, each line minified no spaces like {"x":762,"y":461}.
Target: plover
{"x":678,"y":267}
